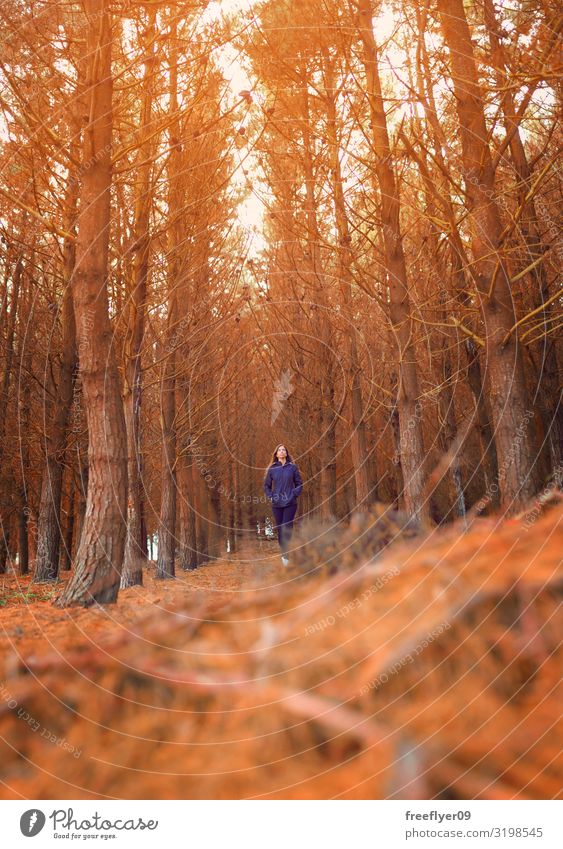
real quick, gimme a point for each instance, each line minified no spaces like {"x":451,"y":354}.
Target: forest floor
{"x":429,"y":671}
{"x":29,"y":623}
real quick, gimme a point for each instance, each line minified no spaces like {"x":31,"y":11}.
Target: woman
{"x":283,"y":485}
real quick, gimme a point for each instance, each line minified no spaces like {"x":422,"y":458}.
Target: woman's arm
{"x":298,"y":481}
{"x":268,"y":484}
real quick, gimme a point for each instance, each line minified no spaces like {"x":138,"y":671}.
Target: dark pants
{"x":283,"y":517}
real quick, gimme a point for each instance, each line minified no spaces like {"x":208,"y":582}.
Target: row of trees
{"x":406,"y":181}
{"x":398,"y":327}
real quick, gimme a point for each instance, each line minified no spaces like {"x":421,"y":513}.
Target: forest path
{"x":29,"y":623}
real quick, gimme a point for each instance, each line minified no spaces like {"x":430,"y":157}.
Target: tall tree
{"x":167,"y":524}
{"x":345,"y":261}
{"x":136,"y":308}
{"x":99,"y":559}
{"x":548,"y":388}
{"x":58,"y":403}
{"x":408,"y":398}
{"x":514,"y":436}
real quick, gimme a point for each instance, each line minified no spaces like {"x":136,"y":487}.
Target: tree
{"x":510,"y":406}
{"x":408,"y":400}
{"x":99,"y":559}
{"x":132,"y":573}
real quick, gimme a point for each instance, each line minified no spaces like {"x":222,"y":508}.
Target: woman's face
{"x":281,"y":453}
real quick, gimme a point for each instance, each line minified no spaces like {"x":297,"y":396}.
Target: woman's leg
{"x":278,"y":519}
{"x":287,"y":526}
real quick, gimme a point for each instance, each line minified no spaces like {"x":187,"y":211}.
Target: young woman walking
{"x":283,"y":485}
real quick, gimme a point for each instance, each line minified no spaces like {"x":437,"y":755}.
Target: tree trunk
{"x":167,"y":524}
{"x":24,"y":388}
{"x":505,"y":370}
{"x":548,"y":388}
{"x":354,"y":389}
{"x":10,"y":334}
{"x":58,"y":410}
{"x":216,"y":523}
{"x":4,"y":545}
{"x":239,"y":515}
{"x":187,"y":554}
{"x":82,"y":498}
{"x":99,"y":558}
{"x":462,"y":277}
{"x":202,"y":523}
{"x":66,"y":558}
{"x":410,"y":418}
{"x":324,"y":364}
{"x":251,"y":520}
{"x":231,"y":528}
{"x":23,"y":541}
{"x":6,"y":477}
{"x":134,"y":548}
{"x":397,"y":458}
{"x":328,"y":508}
{"x":448,"y":431}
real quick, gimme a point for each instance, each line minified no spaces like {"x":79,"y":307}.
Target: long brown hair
{"x":274,"y":458}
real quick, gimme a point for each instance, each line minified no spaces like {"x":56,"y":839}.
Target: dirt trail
{"x":29,"y":624}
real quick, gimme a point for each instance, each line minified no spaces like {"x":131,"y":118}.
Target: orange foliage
{"x":430,"y":671}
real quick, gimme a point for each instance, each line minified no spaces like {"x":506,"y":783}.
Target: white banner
{"x":282,"y":824}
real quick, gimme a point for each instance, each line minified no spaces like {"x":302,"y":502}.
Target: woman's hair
{"x":274,"y":458}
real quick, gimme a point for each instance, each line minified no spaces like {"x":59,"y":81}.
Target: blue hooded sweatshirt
{"x":283,"y":483}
